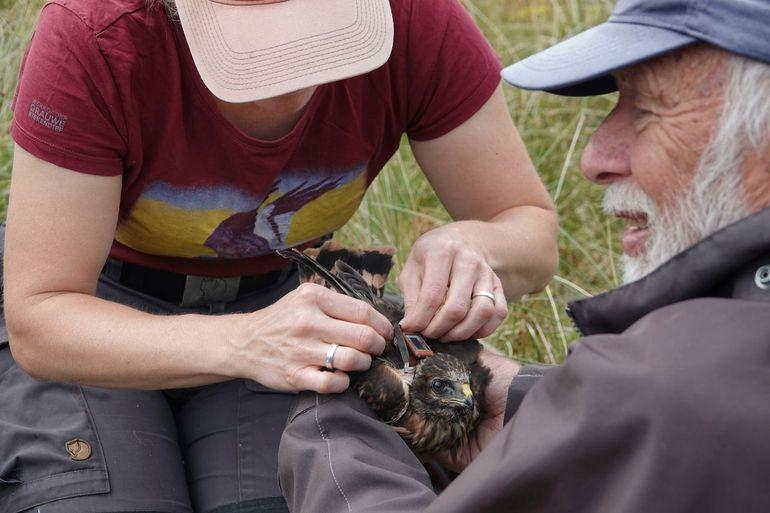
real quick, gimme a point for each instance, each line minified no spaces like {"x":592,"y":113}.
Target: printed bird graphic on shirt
{"x":438,"y":402}
{"x":263,"y":229}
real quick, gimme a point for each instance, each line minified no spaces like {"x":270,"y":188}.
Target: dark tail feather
{"x":373,"y":264}
{"x":341,"y":277}
{"x":356,"y":273}
{"x":355,"y":282}
{"x":310,"y":266}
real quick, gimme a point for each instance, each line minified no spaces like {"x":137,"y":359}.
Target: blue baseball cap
{"x":639,"y":30}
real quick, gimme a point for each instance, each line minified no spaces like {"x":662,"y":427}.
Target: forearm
{"x":79,"y":338}
{"x":520,"y":246}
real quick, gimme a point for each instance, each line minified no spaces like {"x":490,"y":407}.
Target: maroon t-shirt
{"x":108,"y":87}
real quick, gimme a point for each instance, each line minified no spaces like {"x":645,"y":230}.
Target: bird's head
{"x":442,"y":386}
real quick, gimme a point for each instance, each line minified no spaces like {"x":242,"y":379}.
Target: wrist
{"x":234,"y":347}
{"x":478,"y":236}
{"x":467,"y":233}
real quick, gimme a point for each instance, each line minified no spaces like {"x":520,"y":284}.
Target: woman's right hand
{"x":284,"y":346}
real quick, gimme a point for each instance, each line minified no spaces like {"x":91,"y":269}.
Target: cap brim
{"x":581,"y":65}
{"x":246,"y":53}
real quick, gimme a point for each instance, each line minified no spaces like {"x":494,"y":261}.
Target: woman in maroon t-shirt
{"x":183,"y":152}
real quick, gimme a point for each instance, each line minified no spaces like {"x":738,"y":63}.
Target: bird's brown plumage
{"x":439,"y":401}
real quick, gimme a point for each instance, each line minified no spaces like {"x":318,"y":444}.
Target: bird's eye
{"x":438,"y":385}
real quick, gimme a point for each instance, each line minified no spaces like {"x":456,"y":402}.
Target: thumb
{"x":409,"y":281}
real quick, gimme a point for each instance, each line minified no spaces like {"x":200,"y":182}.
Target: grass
{"x":401,"y":205}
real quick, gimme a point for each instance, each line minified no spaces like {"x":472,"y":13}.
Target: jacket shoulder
{"x":691,"y":354}
{"x":709,"y":327}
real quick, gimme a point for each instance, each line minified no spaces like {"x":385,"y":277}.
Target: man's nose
{"x":607,"y":155}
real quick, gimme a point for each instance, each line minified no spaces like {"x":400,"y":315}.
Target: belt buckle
{"x":206,"y":290}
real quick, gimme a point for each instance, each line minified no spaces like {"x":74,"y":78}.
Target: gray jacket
{"x":663,"y":407}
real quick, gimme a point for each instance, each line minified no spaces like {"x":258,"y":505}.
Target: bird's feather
{"x":309,"y":266}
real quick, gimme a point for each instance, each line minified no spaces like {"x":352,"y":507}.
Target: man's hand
{"x":503,"y":371}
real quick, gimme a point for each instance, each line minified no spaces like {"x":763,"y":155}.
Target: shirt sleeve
{"x":452,"y":69}
{"x":67,"y":107}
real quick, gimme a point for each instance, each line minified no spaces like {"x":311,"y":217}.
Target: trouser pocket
{"x":49,"y":448}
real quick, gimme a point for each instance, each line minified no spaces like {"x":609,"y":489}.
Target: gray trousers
{"x":74,"y":449}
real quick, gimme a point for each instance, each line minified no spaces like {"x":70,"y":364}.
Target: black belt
{"x":188,"y":290}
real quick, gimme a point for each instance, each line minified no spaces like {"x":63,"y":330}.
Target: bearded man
{"x":663,"y":405}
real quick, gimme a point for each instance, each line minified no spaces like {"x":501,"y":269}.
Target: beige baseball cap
{"x":248,"y":50}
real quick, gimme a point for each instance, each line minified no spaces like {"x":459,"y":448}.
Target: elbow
{"x":26,"y":350}
{"x":545,"y":273}
{"x":28,"y":364}
{"x":533,"y":238}
{"x":550,"y":265}
{"x":547,"y":260}
{"x":26,"y":359}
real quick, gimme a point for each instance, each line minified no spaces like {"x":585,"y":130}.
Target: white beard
{"x":714,"y":199}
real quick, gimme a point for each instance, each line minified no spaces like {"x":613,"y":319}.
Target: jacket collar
{"x":723,"y":265}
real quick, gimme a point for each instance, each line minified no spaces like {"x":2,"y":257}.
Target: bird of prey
{"x":258,"y":231}
{"x":435,"y":397}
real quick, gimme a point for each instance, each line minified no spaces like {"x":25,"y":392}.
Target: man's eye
{"x":438,"y":386}
{"x":643,"y":119}
{"x":642,"y":113}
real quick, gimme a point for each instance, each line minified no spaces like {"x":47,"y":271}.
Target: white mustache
{"x":627,"y":197}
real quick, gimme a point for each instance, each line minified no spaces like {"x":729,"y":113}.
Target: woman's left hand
{"x":441,"y":281}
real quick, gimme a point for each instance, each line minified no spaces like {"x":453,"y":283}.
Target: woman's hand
{"x":285,"y":344}
{"x":439,"y":281}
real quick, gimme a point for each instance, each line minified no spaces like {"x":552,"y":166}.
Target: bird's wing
{"x":310,"y":267}
{"x":373,"y":263}
{"x":365,"y":272}
{"x":355,"y":282}
{"x":385,"y":389}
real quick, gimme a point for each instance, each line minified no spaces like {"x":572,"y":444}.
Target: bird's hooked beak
{"x":462,"y":397}
{"x":467,"y":394}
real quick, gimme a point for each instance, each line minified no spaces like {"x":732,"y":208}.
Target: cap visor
{"x":245,"y":53}
{"x":581,"y":65}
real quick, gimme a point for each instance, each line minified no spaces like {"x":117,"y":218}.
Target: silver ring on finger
{"x":329,"y":360}
{"x":487,"y":294}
